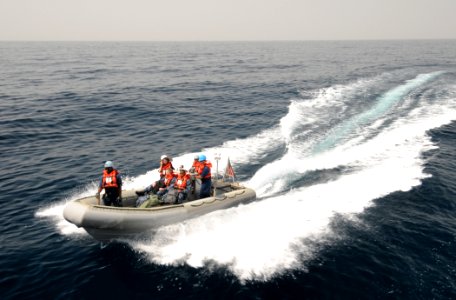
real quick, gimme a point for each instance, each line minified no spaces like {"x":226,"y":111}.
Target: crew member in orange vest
{"x":168,"y":182}
{"x":204,"y":173}
{"x":182,"y":185}
{"x":196,"y":164}
{"x":194,"y":170}
{"x":111,"y":182}
{"x":165,"y":164}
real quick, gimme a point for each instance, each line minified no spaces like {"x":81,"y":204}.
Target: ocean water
{"x":349,"y":145}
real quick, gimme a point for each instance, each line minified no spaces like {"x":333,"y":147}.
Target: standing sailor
{"x":194,"y":170}
{"x":111,"y":182}
{"x":204,"y":173}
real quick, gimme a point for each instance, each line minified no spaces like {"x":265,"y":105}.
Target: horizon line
{"x":238,"y":41}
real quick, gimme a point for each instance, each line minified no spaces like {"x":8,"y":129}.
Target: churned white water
{"x":377,"y":151}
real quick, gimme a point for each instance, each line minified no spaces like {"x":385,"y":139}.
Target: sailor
{"x":111,"y":182}
{"x":196,"y":163}
{"x":165,"y":164}
{"x":182,"y":185}
{"x":194,"y":170}
{"x":168,"y":182}
{"x":204,"y":173}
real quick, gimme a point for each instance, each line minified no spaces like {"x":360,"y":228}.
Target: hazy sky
{"x":176,"y":20}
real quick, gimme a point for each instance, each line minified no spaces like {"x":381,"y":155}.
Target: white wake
{"x":277,"y":233}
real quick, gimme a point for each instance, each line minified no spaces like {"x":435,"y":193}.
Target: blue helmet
{"x":202,"y":157}
{"x":109,"y":164}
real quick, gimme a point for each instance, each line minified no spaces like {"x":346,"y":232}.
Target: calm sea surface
{"x":349,"y":145}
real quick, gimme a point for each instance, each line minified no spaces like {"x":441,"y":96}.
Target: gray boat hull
{"x":106,"y":223}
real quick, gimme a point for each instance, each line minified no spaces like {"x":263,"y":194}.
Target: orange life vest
{"x":181,"y":182}
{"x":168,"y":179}
{"x":110,"y":179}
{"x":196,"y":165}
{"x":169,"y":165}
{"x":202,"y":165}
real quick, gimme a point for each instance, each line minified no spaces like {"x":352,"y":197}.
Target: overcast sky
{"x":239,"y":20}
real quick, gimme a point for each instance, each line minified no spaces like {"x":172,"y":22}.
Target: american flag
{"x":229,"y":172}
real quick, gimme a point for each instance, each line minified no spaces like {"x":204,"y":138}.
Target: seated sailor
{"x":168,"y":183}
{"x":182,"y":185}
{"x":165,"y":164}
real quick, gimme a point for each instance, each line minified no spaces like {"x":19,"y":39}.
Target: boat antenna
{"x":217,"y":157}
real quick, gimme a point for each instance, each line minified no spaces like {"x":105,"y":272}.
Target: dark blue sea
{"x":350,"y":146}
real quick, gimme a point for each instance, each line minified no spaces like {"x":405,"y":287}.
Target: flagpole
{"x":217,"y":157}
{"x":233,"y":171}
